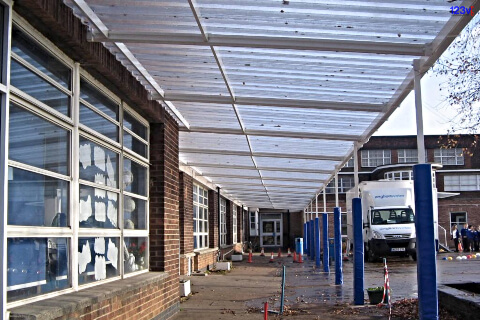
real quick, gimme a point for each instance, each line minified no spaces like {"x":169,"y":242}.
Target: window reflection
{"x":36,"y":200}
{"x":134,"y":177}
{"x":134,"y":213}
{"x":36,"y":266}
{"x":38,"y":142}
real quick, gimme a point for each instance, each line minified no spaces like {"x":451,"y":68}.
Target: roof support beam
{"x":273,"y":102}
{"x":263,"y":154}
{"x":293,"y":43}
{"x":233,"y":176}
{"x":267,"y":133}
{"x":285,"y":169}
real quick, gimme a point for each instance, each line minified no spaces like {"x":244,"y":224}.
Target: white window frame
{"x":344,"y":184}
{"x":376,"y":157}
{"x":200,"y":201}
{"x":463,"y":182}
{"x":253,"y":223}
{"x":407,"y":155}
{"x":74,"y":232}
{"x":459,"y":224}
{"x":445,"y":156}
{"x":223,"y":222}
{"x":234,"y":224}
{"x":399,"y":175}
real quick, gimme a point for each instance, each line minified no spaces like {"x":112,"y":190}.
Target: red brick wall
{"x":203,"y":260}
{"x":186,"y":213}
{"x":164,"y":206}
{"x":213,"y":218}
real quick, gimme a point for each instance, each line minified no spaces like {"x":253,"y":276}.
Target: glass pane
{"x":195,"y":241}
{"x":38,"y":88}
{"x":2,"y":51}
{"x":135,"y":145}
{"x":134,"y":125}
{"x":98,"y":208}
{"x":36,"y":200}
{"x":41,"y":59}
{"x":98,"y":164}
{"x":134,"y":213}
{"x":195,"y":212}
{"x":134,"y":177}
{"x":36,"y":266}
{"x":135,"y":252}
{"x":97,"y":259}
{"x":37,"y":142}
{"x":93,"y":96}
{"x":98,"y":123}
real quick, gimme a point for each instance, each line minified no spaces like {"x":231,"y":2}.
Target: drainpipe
{"x":219,"y":220}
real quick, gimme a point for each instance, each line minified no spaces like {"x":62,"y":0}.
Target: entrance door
{"x":271,"y":233}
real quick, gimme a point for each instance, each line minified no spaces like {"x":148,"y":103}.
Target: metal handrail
{"x":445,"y":234}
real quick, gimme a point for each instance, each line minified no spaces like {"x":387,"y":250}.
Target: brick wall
{"x":204,"y":259}
{"x":213,"y":218}
{"x":186,"y":213}
{"x":164,"y":205}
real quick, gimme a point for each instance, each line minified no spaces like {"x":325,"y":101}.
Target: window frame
{"x":369,"y":156}
{"x":343,"y":186}
{"x":461,"y":185}
{"x":223,"y":222}
{"x":234,"y":224}
{"x":440,"y":156}
{"x":73,"y":232}
{"x":196,"y":221}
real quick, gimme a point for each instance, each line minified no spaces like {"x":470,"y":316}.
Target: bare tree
{"x":460,"y":65}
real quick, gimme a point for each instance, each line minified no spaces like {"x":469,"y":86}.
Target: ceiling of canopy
{"x":272,"y":95}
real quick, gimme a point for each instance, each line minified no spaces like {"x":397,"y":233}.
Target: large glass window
{"x":375,"y":158}
{"x":200,"y":217}
{"x":470,"y":182}
{"x":407,"y":156}
{"x":234,"y":224}
{"x":399,"y":175}
{"x":223,"y":222}
{"x":449,"y":156}
{"x":75,"y":194}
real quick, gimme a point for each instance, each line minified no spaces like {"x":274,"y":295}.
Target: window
{"x":350,"y":163}
{"x":461,"y":182}
{"x":253,"y":222}
{"x":223,"y":222}
{"x":200,"y":217}
{"x":449,"y":156}
{"x":344,"y":184}
{"x":76,"y":197}
{"x":399,"y":175}
{"x":375,"y":158}
{"x":407,"y":156}
{"x":458,"y":218}
{"x":234,"y":224}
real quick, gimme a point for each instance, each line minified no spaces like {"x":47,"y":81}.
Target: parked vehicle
{"x":388,"y":214}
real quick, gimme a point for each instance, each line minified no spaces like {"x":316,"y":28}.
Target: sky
{"x":437,"y":114}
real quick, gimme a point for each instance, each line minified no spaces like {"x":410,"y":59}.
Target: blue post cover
{"x":337,"y":226}
{"x":426,"y":255}
{"x":305,"y":238}
{"x":326,"y":257}
{"x":311,"y":223}
{"x":358,"y":255}
{"x":317,"y":242}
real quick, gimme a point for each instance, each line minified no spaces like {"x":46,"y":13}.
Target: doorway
{"x":271,"y":233}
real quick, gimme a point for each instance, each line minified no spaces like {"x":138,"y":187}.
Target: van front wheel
{"x":414,"y":256}
{"x":371,"y":257}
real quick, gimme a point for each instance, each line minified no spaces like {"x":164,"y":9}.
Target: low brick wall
{"x":141,"y":297}
{"x":204,"y":258}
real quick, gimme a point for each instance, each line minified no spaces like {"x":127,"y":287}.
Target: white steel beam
{"x":263,"y":154}
{"x":233,"y":176}
{"x":293,"y":43}
{"x":273,"y":102}
{"x":419,"y":111}
{"x":283,"y":169}
{"x":269,"y":133}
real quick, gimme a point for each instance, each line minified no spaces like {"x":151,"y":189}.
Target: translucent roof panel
{"x":308,"y":121}
{"x":314,"y":75}
{"x":323,"y":19}
{"x":271,"y":96}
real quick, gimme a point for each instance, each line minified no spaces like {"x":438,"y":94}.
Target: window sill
{"x":204,"y":251}
{"x":65,"y":304}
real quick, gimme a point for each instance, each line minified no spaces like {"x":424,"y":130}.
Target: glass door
{"x":271,"y":233}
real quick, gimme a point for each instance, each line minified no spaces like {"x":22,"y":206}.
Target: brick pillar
{"x":213,"y":219}
{"x":186,"y":213}
{"x":164,"y":217}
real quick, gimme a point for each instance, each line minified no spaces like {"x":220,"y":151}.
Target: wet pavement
{"x":309,"y":293}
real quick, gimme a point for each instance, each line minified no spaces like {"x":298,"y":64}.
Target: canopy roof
{"x":271,"y":95}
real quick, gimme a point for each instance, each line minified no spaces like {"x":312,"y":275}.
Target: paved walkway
{"x":310,"y":293}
